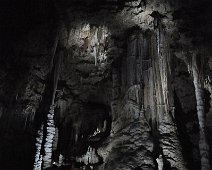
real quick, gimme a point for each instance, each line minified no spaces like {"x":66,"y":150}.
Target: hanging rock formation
{"x":105,"y":85}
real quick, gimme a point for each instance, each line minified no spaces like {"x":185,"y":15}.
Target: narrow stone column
{"x":38,"y":155}
{"x":55,"y":145}
{"x":50,"y":127}
{"x":160,"y":162}
{"x":131,"y":60}
{"x":161,"y":62}
{"x":46,"y":142}
{"x":199,"y":92}
{"x":48,"y":146}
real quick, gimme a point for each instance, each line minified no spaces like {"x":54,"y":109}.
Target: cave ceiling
{"x":111,"y":82}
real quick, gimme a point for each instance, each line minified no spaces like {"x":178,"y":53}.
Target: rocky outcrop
{"x":130,"y":144}
{"x":115,"y":72}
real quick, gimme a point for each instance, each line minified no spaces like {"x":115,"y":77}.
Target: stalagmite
{"x":60,"y":162}
{"x":198,"y":80}
{"x":170,"y":144}
{"x":104,"y":85}
{"x":160,"y":162}
{"x":55,"y":140}
{"x":89,"y":158}
{"x":38,"y":155}
{"x":50,"y":116}
{"x":105,"y":126}
{"x":48,"y":145}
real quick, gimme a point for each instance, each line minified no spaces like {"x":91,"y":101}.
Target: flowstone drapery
{"x":124,"y":99}
{"x":164,"y":106}
{"x":148,"y":102}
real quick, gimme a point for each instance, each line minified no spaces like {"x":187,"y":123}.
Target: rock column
{"x":199,"y":92}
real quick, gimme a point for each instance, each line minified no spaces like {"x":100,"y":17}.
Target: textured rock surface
{"x":130,"y":148}
{"x":124,"y":87}
{"x":130,"y":144}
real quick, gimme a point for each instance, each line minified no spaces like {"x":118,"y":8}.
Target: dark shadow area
{"x":187,"y":146}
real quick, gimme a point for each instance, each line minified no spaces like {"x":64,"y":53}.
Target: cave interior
{"x":106,"y":85}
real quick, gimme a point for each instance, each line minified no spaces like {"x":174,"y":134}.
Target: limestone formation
{"x":105,"y":84}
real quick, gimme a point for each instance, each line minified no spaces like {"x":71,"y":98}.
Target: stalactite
{"x":198,"y":80}
{"x":139,"y":58}
{"x":148,"y":73}
{"x":158,"y":40}
{"x":38,"y":155}
{"x":171,"y":150}
{"x":131,"y":60}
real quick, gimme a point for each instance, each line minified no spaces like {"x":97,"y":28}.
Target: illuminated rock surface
{"x":129,"y":84}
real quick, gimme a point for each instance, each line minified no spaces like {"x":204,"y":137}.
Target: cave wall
{"x":126,"y":63}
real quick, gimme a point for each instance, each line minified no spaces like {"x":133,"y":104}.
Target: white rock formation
{"x":89,"y":158}
{"x":38,"y":155}
{"x":48,"y":145}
